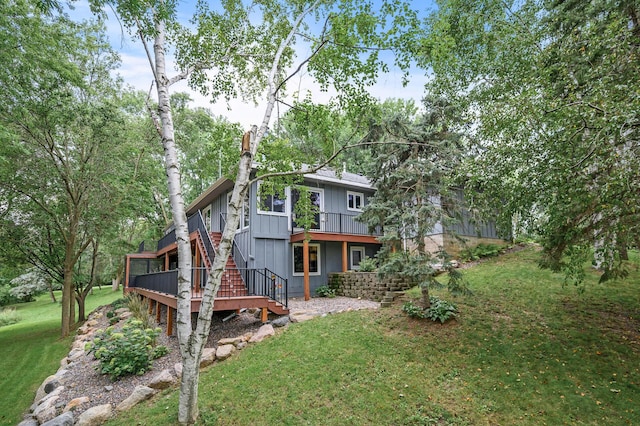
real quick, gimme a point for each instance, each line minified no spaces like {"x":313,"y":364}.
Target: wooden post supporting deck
{"x":149,"y":306}
{"x":158,"y":311}
{"x":345,"y":263}
{"x":305,"y":262}
{"x":264,"y":317}
{"x":169,"y":320}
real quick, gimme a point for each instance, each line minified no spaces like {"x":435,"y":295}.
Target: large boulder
{"x":208,"y":356}
{"x":231,"y":341}
{"x":41,"y":393}
{"x":64,"y":419}
{"x":302,"y":316}
{"x":75,"y":403}
{"x":262,"y":333}
{"x":95,"y":416}
{"x":163,"y":380}
{"x":139,"y":394}
{"x":281,"y":322}
{"x":223,"y":352}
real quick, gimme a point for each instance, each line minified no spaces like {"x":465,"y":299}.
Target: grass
{"x":524,"y":351}
{"x":31,"y":350}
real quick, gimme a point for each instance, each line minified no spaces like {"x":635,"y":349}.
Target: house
{"x":271,"y":258}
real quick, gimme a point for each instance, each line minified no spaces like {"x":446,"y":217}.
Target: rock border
{"x":48,"y":410}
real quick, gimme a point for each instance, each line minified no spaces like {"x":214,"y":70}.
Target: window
{"x":275,"y":204}
{"x":206,"y":216}
{"x":357,"y":254}
{"x":243,"y":212}
{"x":355,"y":201}
{"x":314,"y":259}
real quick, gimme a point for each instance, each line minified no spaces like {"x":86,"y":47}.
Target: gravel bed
{"x":82,"y":378}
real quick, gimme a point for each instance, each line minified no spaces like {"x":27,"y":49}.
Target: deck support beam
{"x":305,"y":262}
{"x":345,"y":263}
{"x":158,"y":311}
{"x":169,"y":320}
{"x":264,"y":316}
{"x":149,"y":305}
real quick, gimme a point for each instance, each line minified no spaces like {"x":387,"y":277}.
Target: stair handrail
{"x":236,"y":253}
{"x":198,"y":223}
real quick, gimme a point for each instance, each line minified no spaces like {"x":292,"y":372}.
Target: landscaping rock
{"x":163,"y":380}
{"x":41,"y":393}
{"x":240,"y":346}
{"x":95,"y":416}
{"x":125,"y":315}
{"x":46,"y":410}
{"x":139,"y":394}
{"x":208,"y":356}
{"x":223,"y":352}
{"x":28,"y":422}
{"x":263,"y":332}
{"x":75,"y":403}
{"x":281,"y":322}
{"x":52,"y":385}
{"x":231,"y":341}
{"x":301,"y":316}
{"x":64,"y":419}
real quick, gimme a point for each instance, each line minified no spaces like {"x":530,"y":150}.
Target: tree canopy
{"x":551,"y":90}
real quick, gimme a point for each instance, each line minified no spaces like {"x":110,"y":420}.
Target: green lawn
{"x":32,"y":349}
{"x":524,"y":351}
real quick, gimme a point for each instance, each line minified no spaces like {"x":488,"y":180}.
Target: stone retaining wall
{"x":366,"y":285}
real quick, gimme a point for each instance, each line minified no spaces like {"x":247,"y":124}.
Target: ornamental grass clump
{"x":128,"y":351}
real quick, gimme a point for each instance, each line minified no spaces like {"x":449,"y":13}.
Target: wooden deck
{"x":158,"y":299}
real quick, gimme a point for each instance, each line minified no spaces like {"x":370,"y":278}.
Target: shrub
{"x":326,"y":291}
{"x":125,"y":352}
{"x":139,"y":308}
{"x":28,"y":285}
{"x":9,"y":316}
{"x":480,"y":251}
{"x":440,"y":310}
{"x":367,"y":265}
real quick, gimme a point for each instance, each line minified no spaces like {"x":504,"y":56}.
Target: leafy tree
{"x":551,"y":90}
{"x":64,"y":166}
{"x":207,"y":145}
{"x":238,"y":51}
{"x":414,"y":157}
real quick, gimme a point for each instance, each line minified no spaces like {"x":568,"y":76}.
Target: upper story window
{"x":275,"y":204}
{"x":243,"y":212}
{"x":355,"y":201}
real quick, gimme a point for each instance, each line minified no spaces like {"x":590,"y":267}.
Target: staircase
{"x":232,"y":284}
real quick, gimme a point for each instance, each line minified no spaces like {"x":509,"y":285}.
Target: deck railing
{"x":235,"y":283}
{"x":195,"y":223}
{"x":340,"y":223}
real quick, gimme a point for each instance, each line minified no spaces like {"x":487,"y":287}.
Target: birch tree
{"x":253,"y":51}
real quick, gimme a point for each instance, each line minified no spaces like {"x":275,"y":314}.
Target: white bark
{"x":191,"y":340}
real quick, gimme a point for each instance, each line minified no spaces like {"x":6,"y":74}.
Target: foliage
{"x":549,"y":92}
{"x":438,"y":310}
{"x":139,"y":308}
{"x":326,"y":291}
{"x":480,"y":251}
{"x":9,"y":316}
{"x":28,"y":285}
{"x":413,"y":159}
{"x":6,"y":298}
{"x":129,"y":351}
{"x":31,"y":349}
{"x":367,"y":264}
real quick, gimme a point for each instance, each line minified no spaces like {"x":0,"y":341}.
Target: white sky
{"x":136,"y":72}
